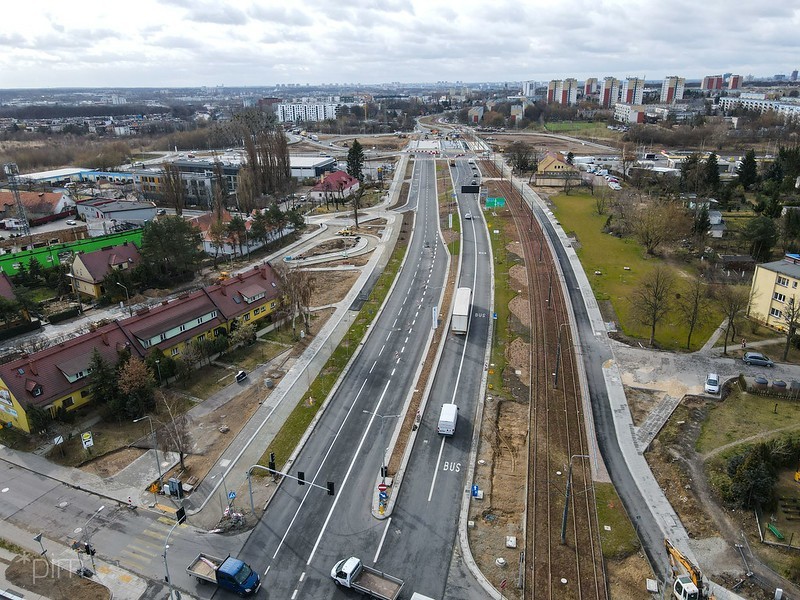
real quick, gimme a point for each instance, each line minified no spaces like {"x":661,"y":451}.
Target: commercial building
{"x":305,"y":167}
{"x":609,"y":92}
{"x":672,"y":89}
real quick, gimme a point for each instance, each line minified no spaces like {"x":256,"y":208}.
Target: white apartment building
{"x":672,"y":89}
{"x":295,"y":112}
{"x":632,"y":90}
{"x":609,"y":92}
{"x":761,"y":104}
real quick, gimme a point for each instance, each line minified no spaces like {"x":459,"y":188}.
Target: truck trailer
{"x":228,"y":573}
{"x":461,"y":306}
{"x":353,"y":574}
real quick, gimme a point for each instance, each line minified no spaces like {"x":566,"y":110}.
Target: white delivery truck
{"x":461,"y":306}
{"x":447,"y":419}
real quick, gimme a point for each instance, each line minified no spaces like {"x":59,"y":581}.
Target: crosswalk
{"x":148,"y":546}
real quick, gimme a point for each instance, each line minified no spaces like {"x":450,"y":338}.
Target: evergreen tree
{"x":102,"y":380}
{"x":762,"y":235}
{"x":712,"y":174}
{"x":748,"y":170}
{"x":170,"y":249}
{"x":355,"y":161}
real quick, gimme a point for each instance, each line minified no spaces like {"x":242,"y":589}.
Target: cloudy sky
{"x":91,"y":43}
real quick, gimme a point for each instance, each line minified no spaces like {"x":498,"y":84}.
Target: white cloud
{"x":259,"y":42}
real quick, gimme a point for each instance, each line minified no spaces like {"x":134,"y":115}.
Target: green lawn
{"x":743,"y":415}
{"x":503,"y":294}
{"x":620,"y":540}
{"x":610,"y":255}
{"x":206,"y":381}
{"x":250,"y":357}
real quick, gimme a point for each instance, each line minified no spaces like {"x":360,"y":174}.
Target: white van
{"x":447,"y":419}
{"x":418,"y":596}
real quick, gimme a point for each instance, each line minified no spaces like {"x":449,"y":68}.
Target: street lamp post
{"x":155,"y":448}
{"x":158,"y":367}
{"x":384,"y":466}
{"x":127,"y":298}
{"x":558,"y":355}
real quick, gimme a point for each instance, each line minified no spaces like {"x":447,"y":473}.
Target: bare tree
{"x":356,"y":201}
{"x":652,"y":298}
{"x":220,"y":190}
{"x":601,"y":200}
{"x":628,"y":158}
{"x":655,"y":224}
{"x":298,"y":286}
{"x":176,"y":426}
{"x":174,"y":190}
{"x":732,"y":300}
{"x":791,"y":318}
{"x":693,"y":306}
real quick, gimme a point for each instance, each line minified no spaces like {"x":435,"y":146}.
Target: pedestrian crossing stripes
{"x":149,"y":544}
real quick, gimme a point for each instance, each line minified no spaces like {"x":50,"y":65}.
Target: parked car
{"x":71,"y":222}
{"x":756,"y":358}
{"x":712,"y":383}
{"x":241,"y":376}
{"x":161,"y":211}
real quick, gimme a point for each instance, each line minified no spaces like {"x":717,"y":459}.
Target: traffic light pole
{"x":301,"y":479}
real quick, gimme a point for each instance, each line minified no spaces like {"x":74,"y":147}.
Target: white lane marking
{"x":324,"y":458}
{"x":395,"y":321}
{"x":393,"y":370}
{"x":406,"y":340}
{"x":294,"y":594}
{"x":403,"y":349}
{"x":383,"y":538}
{"x":382,"y":347}
{"x":349,"y":469}
{"x":302,"y":576}
{"x":404,"y":300}
{"x":373,"y":366}
{"x":416,"y":314}
{"x":436,"y":470}
{"x":267,"y":571}
{"x":413,"y":322}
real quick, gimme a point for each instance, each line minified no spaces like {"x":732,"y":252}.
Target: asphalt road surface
{"x":304,"y":532}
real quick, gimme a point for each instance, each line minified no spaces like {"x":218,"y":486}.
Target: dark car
{"x":756,"y":358}
{"x":241,"y":376}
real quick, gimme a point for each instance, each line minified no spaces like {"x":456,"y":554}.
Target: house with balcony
{"x":775,"y":285}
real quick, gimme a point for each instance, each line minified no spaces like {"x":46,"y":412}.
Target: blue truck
{"x":228,"y":573}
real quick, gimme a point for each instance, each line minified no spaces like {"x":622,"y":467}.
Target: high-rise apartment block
{"x":590,"y":86}
{"x":734,"y":82}
{"x":712,"y":83}
{"x":672,"y":89}
{"x":609,"y":92}
{"x":563,"y":91}
{"x":632,"y":90}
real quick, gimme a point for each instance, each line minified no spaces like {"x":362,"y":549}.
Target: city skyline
{"x":183,"y":43}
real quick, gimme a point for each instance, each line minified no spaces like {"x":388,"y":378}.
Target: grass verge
{"x":503,"y":294}
{"x":620,"y":539}
{"x":300,"y":418}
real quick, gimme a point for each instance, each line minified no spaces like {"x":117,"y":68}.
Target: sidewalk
{"x":123,"y":584}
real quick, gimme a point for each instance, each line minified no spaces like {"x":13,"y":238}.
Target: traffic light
{"x":330,"y":488}
{"x":271,"y":464}
{"x":301,"y":477}
{"x":180,"y":515}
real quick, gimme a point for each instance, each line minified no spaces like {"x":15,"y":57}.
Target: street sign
{"x":231,"y":495}
{"x":383,"y":495}
{"x":59,"y":439}
{"x":495,"y":202}
{"x":474,"y":491}
{"x":87,"y":440}
{"x":382,"y":487}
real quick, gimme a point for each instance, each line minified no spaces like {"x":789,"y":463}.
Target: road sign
{"x":495,"y":202}
{"x":382,"y":487}
{"x":87,"y":439}
{"x":231,"y":495}
{"x":59,"y":439}
{"x":474,"y":491}
{"x":383,"y":495}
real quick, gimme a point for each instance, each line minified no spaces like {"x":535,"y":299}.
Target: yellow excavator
{"x":687,"y":587}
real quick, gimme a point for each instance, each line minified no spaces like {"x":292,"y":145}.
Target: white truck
{"x":353,"y":574}
{"x":461,"y":306}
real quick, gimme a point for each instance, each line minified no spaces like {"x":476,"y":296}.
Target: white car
{"x":712,"y":384}
{"x":71,"y":222}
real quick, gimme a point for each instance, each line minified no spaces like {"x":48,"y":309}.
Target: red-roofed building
{"x":334,"y":185}
{"x":56,"y":378}
{"x":40,"y":207}
{"x":91,"y":268}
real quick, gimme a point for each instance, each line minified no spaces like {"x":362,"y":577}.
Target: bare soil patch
{"x":355,"y":261}
{"x":545,"y":143}
{"x":332,"y":286}
{"x":626,"y":578}
{"x":338,"y":244}
{"x":40,"y":576}
{"x":520,"y":308}
{"x":518,"y":355}
{"x":113,"y":462}
{"x":641,"y":402}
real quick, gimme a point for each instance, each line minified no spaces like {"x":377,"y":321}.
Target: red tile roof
{"x":335,"y":181}
{"x":100,"y":262}
{"x":6,"y":287}
{"x":40,"y":203}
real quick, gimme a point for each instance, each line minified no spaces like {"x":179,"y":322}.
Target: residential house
{"x":57,"y":378}
{"x":554,"y":170}
{"x":775,"y":285}
{"x":90,"y":269}
{"x":334,"y":185}
{"x":716,"y":223}
{"x":40,"y":207}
